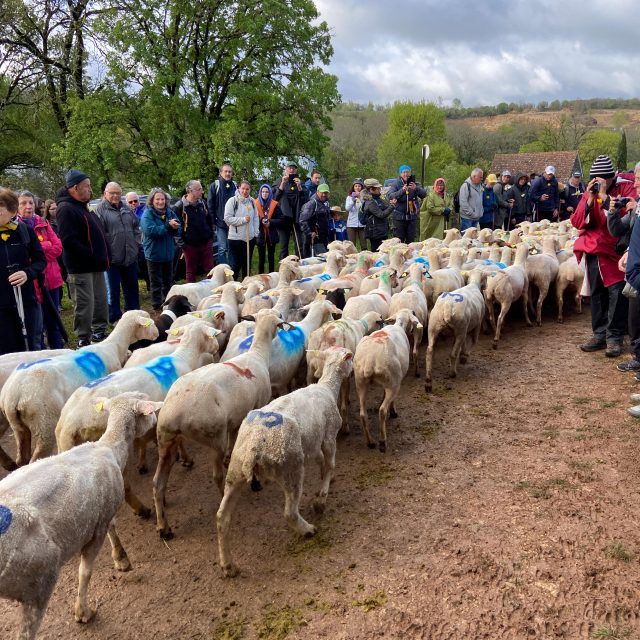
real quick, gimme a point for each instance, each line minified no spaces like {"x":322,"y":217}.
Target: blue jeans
{"x":223,"y":256}
{"x":128,"y":278}
{"x":465,"y":223}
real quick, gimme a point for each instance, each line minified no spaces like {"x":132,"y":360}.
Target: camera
{"x":595,"y":188}
{"x":622,"y":202}
{"x":292,"y":177}
{"x":411,"y":179}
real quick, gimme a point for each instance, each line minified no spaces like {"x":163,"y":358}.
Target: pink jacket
{"x":52,"y":248}
{"x":595,"y":237}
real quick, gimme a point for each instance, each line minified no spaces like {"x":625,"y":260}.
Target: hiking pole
{"x":17,"y":293}
{"x":248,"y":258}
{"x":295,"y":237}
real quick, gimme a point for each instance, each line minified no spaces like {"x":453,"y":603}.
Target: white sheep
{"x":64,"y":505}
{"x":311,"y":284}
{"x":570,"y":276}
{"x":32,"y":416}
{"x":277,"y":442}
{"x":196,"y":291}
{"x":377,"y":300}
{"x":254,"y":299}
{"x":382,"y":358}
{"x":443,"y":279}
{"x":462,"y":312}
{"x":504,"y":287}
{"x":208,"y":405}
{"x":542,"y":271}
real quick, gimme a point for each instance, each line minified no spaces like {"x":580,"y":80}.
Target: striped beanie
{"x":602,"y":167}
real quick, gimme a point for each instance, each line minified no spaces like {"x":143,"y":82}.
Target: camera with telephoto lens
{"x":595,"y":188}
{"x":621,"y":202}
{"x":13,"y":268}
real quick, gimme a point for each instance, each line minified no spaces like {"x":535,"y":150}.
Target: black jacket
{"x":28,"y":257}
{"x":377,"y":213}
{"x":84,"y":245}
{"x":220,"y":190}
{"x":197,"y":224}
{"x":291,"y":199}
{"x":315,"y":216}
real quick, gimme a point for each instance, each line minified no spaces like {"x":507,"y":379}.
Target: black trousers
{"x":238,"y":251}
{"x":264,"y":250}
{"x":285,"y":231}
{"x":609,"y":308}
{"x":161,"y":280}
{"x":376,"y":242}
{"x":405,"y":229}
{"x":634,"y":326}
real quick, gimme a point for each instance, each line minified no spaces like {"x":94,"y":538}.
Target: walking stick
{"x":295,"y":237}
{"x":248,"y":258}
{"x":17,"y":293}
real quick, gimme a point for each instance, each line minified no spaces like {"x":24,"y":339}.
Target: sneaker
{"x":593,"y":345}
{"x":634,"y":411}
{"x":614,"y":350}
{"x":631,"y":365}
{"x":98,"y":336}
{"x":83,"y":343}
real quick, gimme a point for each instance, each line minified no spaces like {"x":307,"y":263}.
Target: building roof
{"x":565,"y":162}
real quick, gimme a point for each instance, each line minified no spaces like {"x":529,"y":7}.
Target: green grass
{"x":544,"y":488}
{"x":277,"y":624}
{"x":618,"y":551}
{"x":229,"y":630}
{"x":320,"y":542}
{"x":375,"y":475}
{"x":370,"y":603}
{"x":611,"y":633}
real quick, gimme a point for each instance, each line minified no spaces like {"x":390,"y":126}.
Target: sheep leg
{"x":428,"y":383}
{"x":130,"y":497}
{"x":578,"y":302}
{"x":118,"y":554}
{"x":166,"y":458}
{"x":183,"y":456}
{"x":292,"y":494}
{"x":33,"y":610}
{"x":327,"y":467}
{"x":492,"y":315}
{"x":416,"y":344}
{"x":361,"y":388}
{"x":455,"y":354}
{"x":345,"y":390}
{"x":469,"y":343}
{"x":383,"y":414}
{"x":23,"y":444}
{"x":560,"y":301}
{"x":504,"y":308}
{"x":83,"y":612}
{"x":223,"y":522}
{"x":218,"y":469}
{"x":542,"y":294}
{"x":6,"y":461}
{"x":525,"y":306}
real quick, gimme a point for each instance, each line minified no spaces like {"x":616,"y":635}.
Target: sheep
{"x":33,"y":420}
{"x":310,"y":285}
{"x":383,"y":358}
{"x":339,"y":333}
{"x":195,"y":291}
{"x":443,"y":279}
{"x":64,"y":505}
{"x":345,"y":247}
{"x":175,"y":307}
{"x":209,"y":301}
{"x":352,"y":280}
{"x":267,"y":280}
{"x":542,"y":270}
{"x":505,"y":287}
{"x":450,"y":236}
{"x":378,"y":300}
{"x":289,"y":271}
{"x":82,"y":419}
{"x":412,"y":297}
{"x":396,"y":265}
{"x":275,"y":442}
{"x":287,"y":350}
{"x":208,"y":405}
{"x":570,"y":275}
{"x":254,"y":299}
{"x":462,"y":312}
{"x":8,"y":363}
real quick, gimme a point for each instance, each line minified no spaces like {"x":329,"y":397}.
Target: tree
{"x":596,"y":143}
{"x":622,"y":152}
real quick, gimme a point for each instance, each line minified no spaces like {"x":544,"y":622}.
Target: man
{"x":197,"y":230}
{"x":571,"y":195}
{"x":504,"y":199}
{"x":609,"y":308}
{"x":86,"y":256}
{"x":470,"y":194}
{"x":133,"y":202}
{"x":137,"y":208}
{"x":315,"y":220}
{"x":545,"y":195}
{"x":312,"y":183}
{"x":220,"y":190}
{"x":405,"y":194}
{"x":291,"y":195}
{"x":122,"y":231}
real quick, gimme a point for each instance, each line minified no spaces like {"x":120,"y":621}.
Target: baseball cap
{"x":323,"y":188}
{"x":550,"y":169}
{"x":577,"y":174}
{"x":506,"y":172}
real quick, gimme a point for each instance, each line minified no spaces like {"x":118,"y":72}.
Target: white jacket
{"x":235,"y":211}
{"x":353,"y":207}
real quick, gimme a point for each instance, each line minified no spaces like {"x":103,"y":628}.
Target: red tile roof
{"x":565,"y":163}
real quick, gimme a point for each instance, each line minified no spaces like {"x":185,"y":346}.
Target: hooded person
{"x":434,"y":212}
{"x":595,"y":247}
{"x":504,"y":199}
{"x":521,"y":210}
{"x":270,"y":219}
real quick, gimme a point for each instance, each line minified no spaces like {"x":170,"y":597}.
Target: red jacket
{"x":52,"y":248}
{"x":594,"y":236}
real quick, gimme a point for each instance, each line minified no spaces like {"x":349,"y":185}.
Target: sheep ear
{"x":196,"y":314}
{"x":260,"y":287}
{"x":428,"y":275}
{"x":347,"y":356}
{"x":346,"y":289}
{"x":101,"y":404}
{"x":218,"y":315}
{"x":216,"y":290}
{"x":175,"y":332}
{"x":146,"y":407}
{"x":213,"y":332}
{"x":228,"y":275}
{"x":249,"y":318}
{"x":321,"y":292}
{"x":297,"y":292}
{"x":144,"y":322}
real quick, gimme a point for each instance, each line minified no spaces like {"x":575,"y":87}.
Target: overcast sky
{"x":518,"y":51}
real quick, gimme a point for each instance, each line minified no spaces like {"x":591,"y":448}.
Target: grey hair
{"x":27,"y":194}
{"x":477,"y":171}
{"x":636,"y":169}
{"x":154,"y":192}
{"x":189,"y":186}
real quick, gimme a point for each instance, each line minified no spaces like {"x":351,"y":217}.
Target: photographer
{"x":291,"y":195}
{"x":315,"y":220}
{"x":605,"y":281}
{"x":22,"y":260}
{"x":405,"y":194}
{"x":545,"y":195}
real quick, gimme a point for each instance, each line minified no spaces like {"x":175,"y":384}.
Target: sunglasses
{"x":133,"y":201}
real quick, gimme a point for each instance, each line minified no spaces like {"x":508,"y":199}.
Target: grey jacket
{"x":235,"y":211}
{"x":122,"y":233}
{"x":471,"y":200}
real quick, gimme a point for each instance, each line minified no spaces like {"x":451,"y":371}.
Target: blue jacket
{"x":632,"y":274}
{"x":541,"y":186}
{"x":220,"y":190}
{"x":408,"y":202}
{"x":158,"y":242}
{"x":337,"y":230}
{"x":489,"y":204}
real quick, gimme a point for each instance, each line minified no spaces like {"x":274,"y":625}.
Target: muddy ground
{"x":506,"y":507}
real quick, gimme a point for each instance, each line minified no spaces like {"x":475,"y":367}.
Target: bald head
{"x":132,"y":199}
{"x":113,"y":193}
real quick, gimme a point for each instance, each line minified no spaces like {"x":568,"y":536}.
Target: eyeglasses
{"x":133,"y":201}
{"x":114,"y":193}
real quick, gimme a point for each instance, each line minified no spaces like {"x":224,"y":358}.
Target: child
{"x":337,"y":226}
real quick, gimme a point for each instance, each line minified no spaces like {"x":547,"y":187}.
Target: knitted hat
{"x":602,"y":167}
{"x":359,"y":181}
{"x":323,"y":188}
{"x":404,"y":167}
{"x":74,"y":177}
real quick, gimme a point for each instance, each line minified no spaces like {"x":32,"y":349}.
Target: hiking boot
{"x":631,"y":365}
{"x":614,"y":350}
{"x":83,"y":343}
{"x":98,"y":336}
{"x":634,"y":411}
{"x":593,"y":345}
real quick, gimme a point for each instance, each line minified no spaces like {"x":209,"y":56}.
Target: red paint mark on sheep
{"x":245,"y":373}
{"x":380,"y":336}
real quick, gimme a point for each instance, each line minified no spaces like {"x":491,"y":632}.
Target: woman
{"x":489,"y":202}
{"x":355,"y":229}
{"x":52,"y":248}
{"x":159,"y":228}
{"x":22,"y":260}
{"x":433,"y":212}
{"x":375,"y":213}
{"x":241,"y":216}
{"x":270,"y":219}
{"x":50,"y":215}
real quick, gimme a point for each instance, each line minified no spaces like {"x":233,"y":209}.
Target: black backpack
{"x":362,"y":215}
{"x":456,"y":201}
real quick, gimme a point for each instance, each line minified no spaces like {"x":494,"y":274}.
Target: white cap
{"x":550,"y":169}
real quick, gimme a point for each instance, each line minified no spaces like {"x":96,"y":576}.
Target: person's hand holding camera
{"x":411,"y":186}
{"x":17,"y":279}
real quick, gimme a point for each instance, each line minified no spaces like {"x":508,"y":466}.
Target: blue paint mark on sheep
{"x":457,"y":297}
{"x":324,"y":276}
{"x":379,"y":263}
{"x":26,"y":365}
{"x":292,"y":340}
{"x":246,"y":344}
{"x":90,"y":364}
{"x":5,"y":519}
{"x":423,"y":261}
{"x":163,"y":370}
{"x":99,"y":381}
{"x":268,"y":419}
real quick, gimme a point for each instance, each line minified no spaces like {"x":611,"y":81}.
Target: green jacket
{"x":431,"y":218}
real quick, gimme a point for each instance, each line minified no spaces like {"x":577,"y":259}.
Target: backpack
{"x":362,"y":216}
{"x":456,"y":201}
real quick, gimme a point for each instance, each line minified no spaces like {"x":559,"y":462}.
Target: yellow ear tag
{"x":419,"y":326}
{"x":229,"y":274}
{"x":99,"y":407}
{"x":197,"y":314}
{"x":321,"y":291}
{"x":148,"y":323}
{"x":174,"y":332}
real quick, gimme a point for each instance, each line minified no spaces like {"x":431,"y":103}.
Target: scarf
{"x":6,"y":229}
{"x":264,"y":205}
{"x":30,"y":222}
{"x":435,"y":186}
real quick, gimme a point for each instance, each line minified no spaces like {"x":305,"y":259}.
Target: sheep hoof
{"x":166,"y":534}
{"x":463,"y":359}
{"x":560,"y":321}
{"x":417,"y":374}
{"x":393,"y":413}
{"x":428,"y":387}
{"x":84,"y":615}
{"x":371,"y":445}
{"x":255,"y":484}
{"x":230,"y":570}
{"x":122,"y":564}
{"x":143,"y":469}
{"x":318,"y":506}
{"x":310,"y":532}
{"x":495,"y":344}
{"x":382,"y":445}
{"x":144,"y":513}
{"x":187,"y":463}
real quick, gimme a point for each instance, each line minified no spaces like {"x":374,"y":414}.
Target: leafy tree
{"x":622,"y":152}
{"x":596,"y":143}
